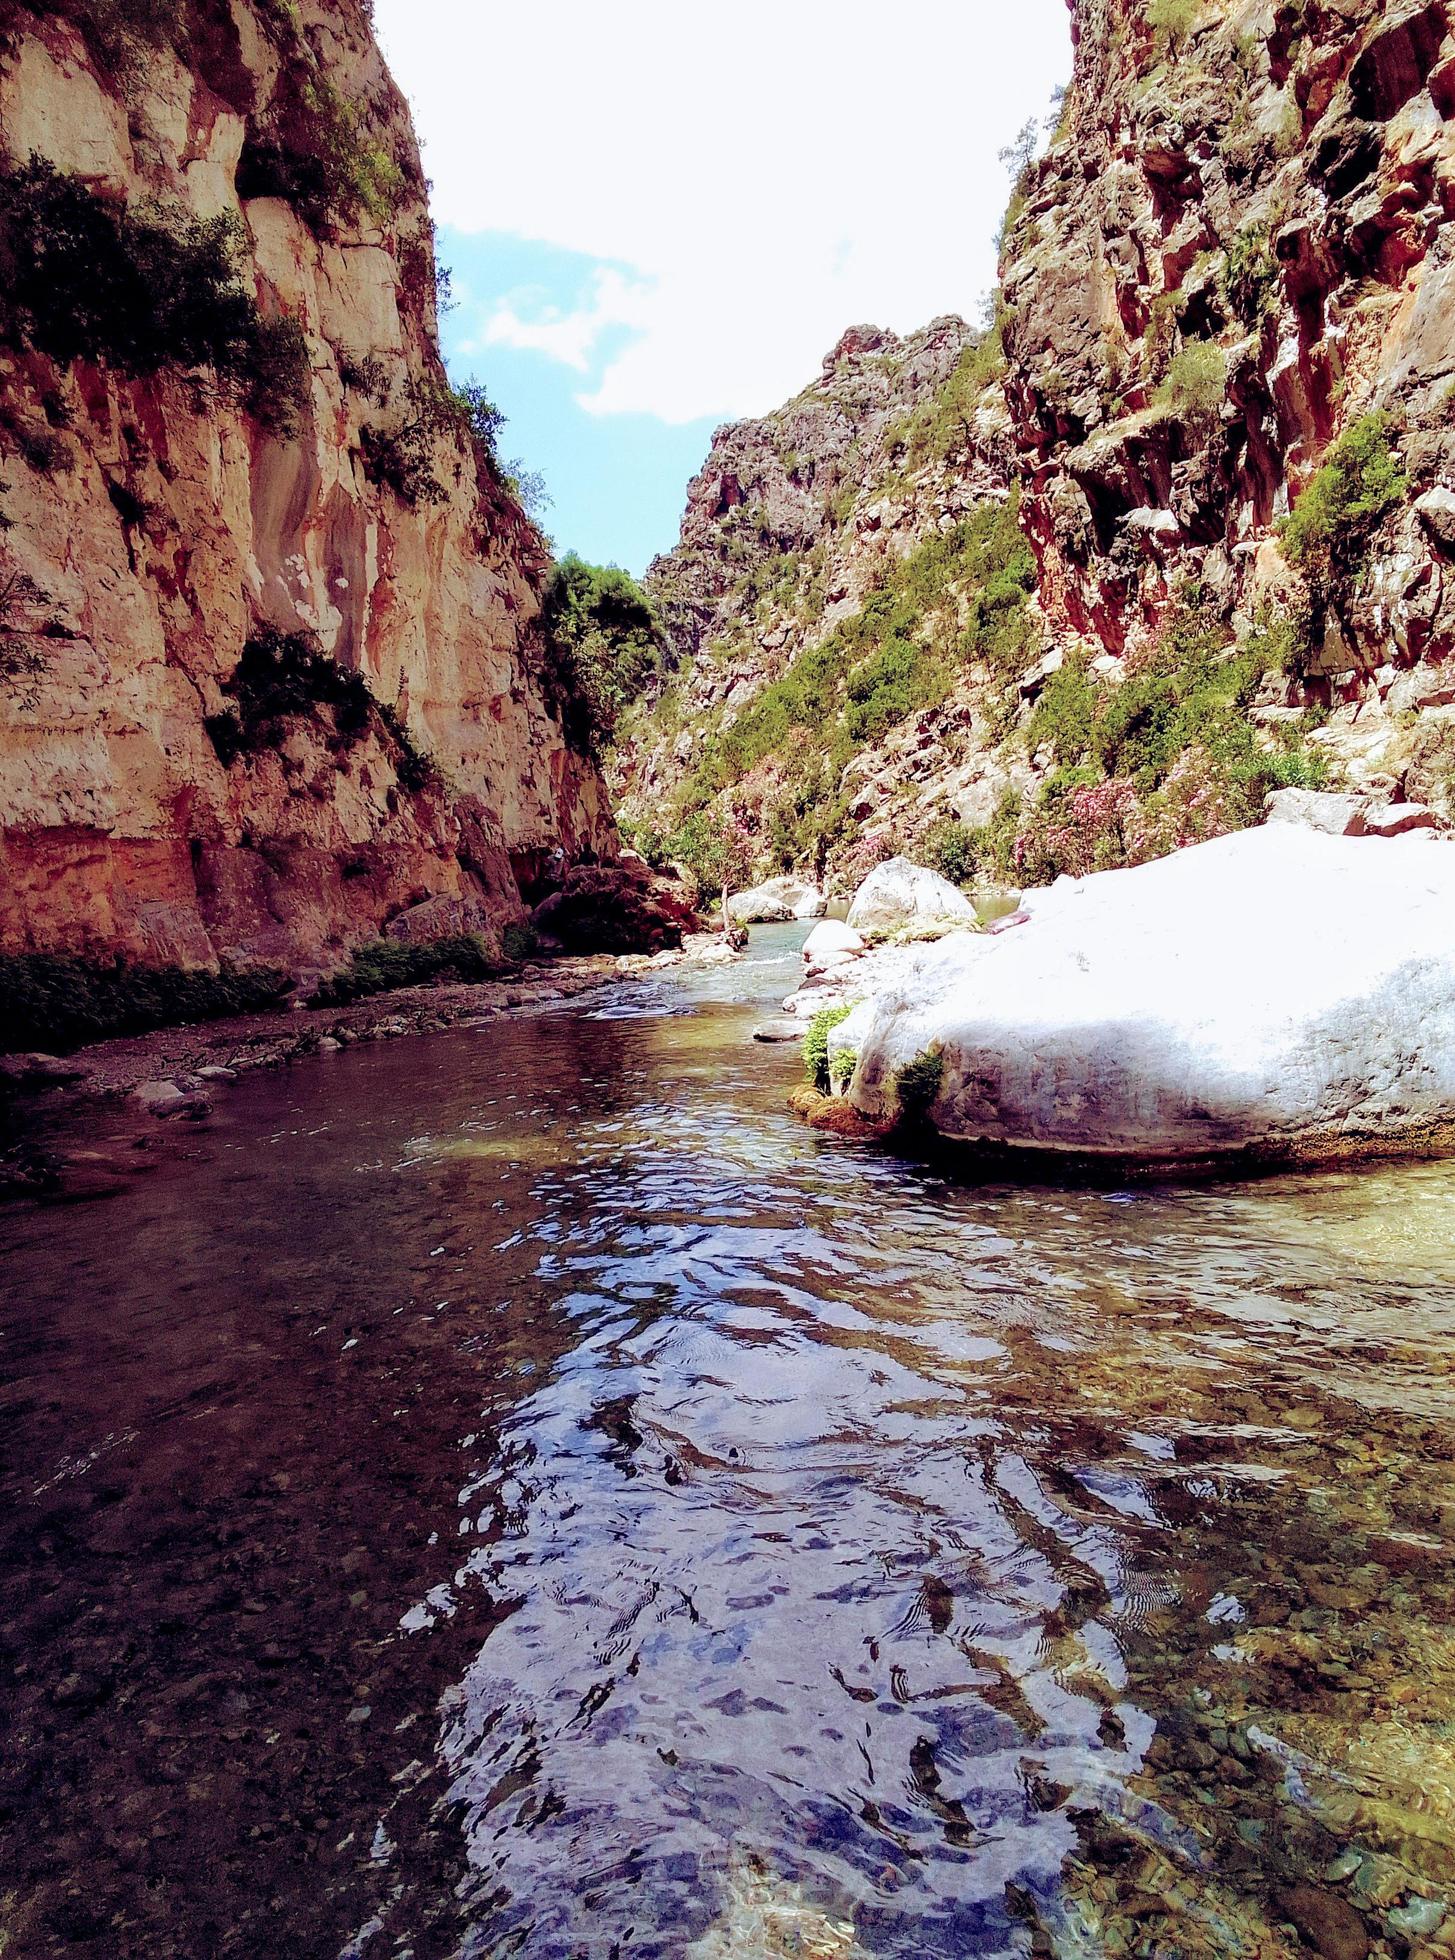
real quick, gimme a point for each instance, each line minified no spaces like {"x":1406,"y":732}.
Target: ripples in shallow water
{"x":534,"y":1498}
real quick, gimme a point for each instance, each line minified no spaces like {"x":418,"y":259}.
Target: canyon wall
{"x":1218,"y":393}
{"x":271,"y":678}
{"x":1236,"y":254}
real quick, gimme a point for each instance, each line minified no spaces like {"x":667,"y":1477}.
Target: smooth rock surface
{"x":1198,"y":1006}
{"x":1338,"y":814}
{"x":898,"y":893}
{"x":776,"y":902}
{"x":832,"y":943}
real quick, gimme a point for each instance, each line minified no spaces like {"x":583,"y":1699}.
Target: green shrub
{"x":917,"y":1085}
{"x":385,"y":964}
{"x":520,"y":941}
{"x":951,"y":848}
{"x":1196,"y":381}
{"x":816,"y":1045}
{"x":83,"y":277}
{"x":319,"y":151}
{"x":1250,"y":275}
{"x":280,"y":675}
{"x":1331,"y":526}
{"x":56,"y":1002}
{"x":1171,"y":21}
{"x":1064,"y":711}
{"x":841,"y":1069}
{"x":603,"y":639}
{"x":403,"y":453}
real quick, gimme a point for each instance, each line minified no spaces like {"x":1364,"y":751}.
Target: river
{"x":515,"y":1491}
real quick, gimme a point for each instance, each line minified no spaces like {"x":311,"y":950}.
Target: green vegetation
{"x":956,"y":602}
{"x":917,"y":1085}
{"x":1195,"y":382}
{"x":1171,"y":21}
{"x":941,"y":427}
{"x":1330,"y":529}
{"x":403,"y":454}
{"x":279,"y":675}
{"x":55,"y":1002}
{"x":520,"y":941}
{"x":1166,"y":757}
{"x":1250,"y":275}
{"x":841,"y":1069}
{"x":602,"y":636}
{"x":385,"y":964}
{"x":83,"y":277}
{"x":816,"y":1045}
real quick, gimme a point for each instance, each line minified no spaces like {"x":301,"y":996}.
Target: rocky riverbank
{"x":85,"y":1125}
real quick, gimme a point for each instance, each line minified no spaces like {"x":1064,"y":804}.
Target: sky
{"x":660,"y":215}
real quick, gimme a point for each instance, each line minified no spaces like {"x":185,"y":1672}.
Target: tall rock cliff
{"x":1228,"y":296}
{"x":270,"y":671}
{"x":1220,"y":397}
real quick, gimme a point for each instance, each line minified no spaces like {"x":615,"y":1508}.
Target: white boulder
{"x":898,"y":893}
{"x":1280,"y":992}
{"x":831,"y":943}
{"x":775,"y":902}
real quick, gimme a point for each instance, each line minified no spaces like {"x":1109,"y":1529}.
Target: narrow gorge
{"x":752,"y":1255}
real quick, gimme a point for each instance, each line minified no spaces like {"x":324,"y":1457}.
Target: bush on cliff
{"x":281,"y":675}
{"x":1328,"y":533}
{"x":56,"y":1002}
{"x":602,"y":636}
{"x":83,"y":277}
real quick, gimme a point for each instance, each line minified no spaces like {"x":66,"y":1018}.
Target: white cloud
{"x":529,"y":319}
{"x":767,"y":174}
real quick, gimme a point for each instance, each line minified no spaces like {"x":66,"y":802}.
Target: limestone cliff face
{"x":1237,"y":250}
{"x":155,"y":525}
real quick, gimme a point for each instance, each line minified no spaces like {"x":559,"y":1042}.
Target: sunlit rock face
{"x":153,"y":525}
{"x":1266,"y":191}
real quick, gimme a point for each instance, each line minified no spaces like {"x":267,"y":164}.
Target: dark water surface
{"x":517,"y":1492}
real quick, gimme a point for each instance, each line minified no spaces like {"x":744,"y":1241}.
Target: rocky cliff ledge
{"x":270,"y":674}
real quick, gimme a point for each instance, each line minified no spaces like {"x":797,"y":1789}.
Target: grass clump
{"x":1250,"y":275}
{"x":385,"y":964}
{"x":1328,"y":533}
{"x":917,"y":1085}
{"x":83,"y":277}
{"x":816,"y":1045}
{"x":57,"y":1002}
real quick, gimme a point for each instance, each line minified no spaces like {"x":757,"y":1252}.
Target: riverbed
{"x":515,"y":1491}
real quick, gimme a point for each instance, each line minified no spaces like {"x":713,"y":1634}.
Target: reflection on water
{"x":517,"y":1492}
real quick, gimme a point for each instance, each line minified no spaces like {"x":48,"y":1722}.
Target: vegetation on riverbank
{"x":56,"y":1002}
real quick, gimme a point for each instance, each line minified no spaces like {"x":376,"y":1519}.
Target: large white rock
{"x":898,"y":893}
{"x":775,"y":902}
{"x":831,"y":943}
{"x":1281,"y":991}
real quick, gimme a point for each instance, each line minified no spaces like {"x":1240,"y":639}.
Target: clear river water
{"x":515,"y":1491}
